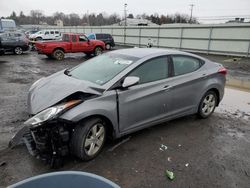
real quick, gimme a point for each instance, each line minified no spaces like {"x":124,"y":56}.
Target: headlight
{"x":50,"y":113}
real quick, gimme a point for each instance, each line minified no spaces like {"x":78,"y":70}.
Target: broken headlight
{"x":50,"y":113}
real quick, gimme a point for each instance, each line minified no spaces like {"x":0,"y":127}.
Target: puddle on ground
{"x":235,"y":102}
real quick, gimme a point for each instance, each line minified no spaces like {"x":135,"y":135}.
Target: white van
{"x":46,"y":35}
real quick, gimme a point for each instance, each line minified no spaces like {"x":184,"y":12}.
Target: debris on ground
{"x":187,"y":164}
{"x":3,"y":163}
{"x":163,"y":147}
{"x":169,"y":174}
{"x":169,"y":159}
{"x":179,"y":145}
{"x":120,"y":143}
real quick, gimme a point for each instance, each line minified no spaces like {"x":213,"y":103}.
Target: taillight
{"x":222,"y":70}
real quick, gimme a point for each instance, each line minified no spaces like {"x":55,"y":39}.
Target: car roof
{"x":144,"y":52}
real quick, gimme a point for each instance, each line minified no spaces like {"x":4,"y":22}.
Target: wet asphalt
{"x":214,"y":152}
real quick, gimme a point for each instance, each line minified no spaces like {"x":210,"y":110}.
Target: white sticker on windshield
{"x":122,"y":62}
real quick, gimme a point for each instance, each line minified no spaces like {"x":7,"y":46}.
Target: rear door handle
{"x":167,"y":87}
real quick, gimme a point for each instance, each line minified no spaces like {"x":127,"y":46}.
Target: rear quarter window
{"x":183,"y":64}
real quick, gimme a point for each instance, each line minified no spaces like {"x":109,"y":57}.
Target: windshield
{"x":103,"y":68}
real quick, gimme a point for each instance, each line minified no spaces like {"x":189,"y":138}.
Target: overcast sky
{"x":202,"y":8}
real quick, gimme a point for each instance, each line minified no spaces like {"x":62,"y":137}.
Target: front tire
{"x":88,"y":139}
{"x":58,"y":54}
{"x":207,"y":104}
{"x":98,"y":51}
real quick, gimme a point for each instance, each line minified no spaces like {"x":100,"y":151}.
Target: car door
{"x":6,"y":41}
{"x":75,"y":44}
{"x":147,"y":101}
{"x":84,"y":44}
{"x":187,"y":84}
{"x":52,"y":35}
{"x":46,"y":35}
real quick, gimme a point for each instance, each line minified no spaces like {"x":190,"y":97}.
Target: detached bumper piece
{"x":48,"y":144}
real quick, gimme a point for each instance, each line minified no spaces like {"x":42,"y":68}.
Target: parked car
{"x":106,"y":38}
{"x":115,"y":94}
{"x":45,"y":35}
{"x":70,"y":43}
{"x":30,"y":32}
{"x":13,"y":42}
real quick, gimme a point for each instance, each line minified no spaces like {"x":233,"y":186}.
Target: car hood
{"x":51,"y":90}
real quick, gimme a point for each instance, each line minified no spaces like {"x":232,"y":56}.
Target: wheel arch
{"x":107,"y":122}
{"x":58,"y":48}
{"x":216,"y":91}
{"x":99,"y":46}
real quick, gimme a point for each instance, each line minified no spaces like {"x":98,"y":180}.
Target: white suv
{"x":46,"y":35}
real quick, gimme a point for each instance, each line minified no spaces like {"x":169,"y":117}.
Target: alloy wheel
{"x":208,"y":104}
{"x":94,"y":140}
{"x":18,"y":50}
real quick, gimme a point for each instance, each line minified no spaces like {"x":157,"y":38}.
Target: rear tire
{"x":98,"y":51}
{"x":58,"y":54}
{"x":18,"y":50}
{"x":108,"y":46}
{"x":88,"y":139}
{"x":207,"y":104}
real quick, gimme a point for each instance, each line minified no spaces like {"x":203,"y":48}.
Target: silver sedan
{"x":115,"y":94}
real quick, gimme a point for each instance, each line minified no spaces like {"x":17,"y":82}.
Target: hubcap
{"x":208,"y":104}
{"x":18,"y":50}
{"x":59,"y":55}
{"x":94,"y":139}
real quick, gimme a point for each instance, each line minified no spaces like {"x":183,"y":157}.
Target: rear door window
{"x":183,"y":64}
{"x":74,"y":38}
{"x":46,"y":32}
{"x":99,"y":36}
{"x":52,"y":32}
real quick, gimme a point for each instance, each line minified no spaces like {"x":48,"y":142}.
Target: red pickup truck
{"x":70,"y":43}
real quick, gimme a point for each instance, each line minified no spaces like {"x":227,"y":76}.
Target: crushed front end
{"x":49,"y":142}
{"x":46,"y":136}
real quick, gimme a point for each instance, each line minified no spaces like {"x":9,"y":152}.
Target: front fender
{"x":105,"y":105}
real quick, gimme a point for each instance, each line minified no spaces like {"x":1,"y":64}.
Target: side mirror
{"x":130,"y":81}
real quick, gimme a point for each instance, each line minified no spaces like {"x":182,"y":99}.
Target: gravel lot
{"x":202,"y":153}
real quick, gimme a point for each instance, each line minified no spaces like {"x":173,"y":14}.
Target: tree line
{"x":92,"y":19}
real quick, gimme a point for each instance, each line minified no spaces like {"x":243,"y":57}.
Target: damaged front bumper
{"x":47,"y":142}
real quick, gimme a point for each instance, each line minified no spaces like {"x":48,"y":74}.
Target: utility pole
{"x":88,"y":17}
{"x":125,"y":21}
{"x":191,"y":15}
{"x":125,"y":14}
